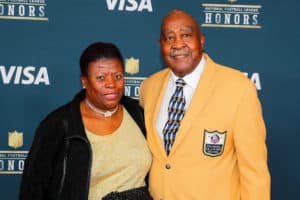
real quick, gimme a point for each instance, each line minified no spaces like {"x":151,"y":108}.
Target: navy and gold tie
{"x":176,"y":112}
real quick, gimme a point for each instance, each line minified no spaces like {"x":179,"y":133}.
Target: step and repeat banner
{"x":41,"y":42}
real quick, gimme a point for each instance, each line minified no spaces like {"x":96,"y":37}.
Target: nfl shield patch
{"x":213,"y":143}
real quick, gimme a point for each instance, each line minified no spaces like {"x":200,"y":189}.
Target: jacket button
{"x":168,"y":166}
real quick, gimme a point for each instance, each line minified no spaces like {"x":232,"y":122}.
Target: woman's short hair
{"x":96,"y":51}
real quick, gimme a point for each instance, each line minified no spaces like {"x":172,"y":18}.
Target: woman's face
{"x":104,"y":83}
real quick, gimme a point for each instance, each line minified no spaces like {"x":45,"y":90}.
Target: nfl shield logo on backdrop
{"x":132,"y":66}
{"x":15,"y":139}
{"x":213,"y":143}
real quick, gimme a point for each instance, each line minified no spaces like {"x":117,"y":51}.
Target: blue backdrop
{"x":41,"y":42}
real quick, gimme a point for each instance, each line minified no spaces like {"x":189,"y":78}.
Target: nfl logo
{"x":15,"y":139}
{"x":132,"y":66}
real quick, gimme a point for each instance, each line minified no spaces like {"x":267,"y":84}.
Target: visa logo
{"x":129,"y":5}
{"x":254,"y":77}
{"x":29,"y":75}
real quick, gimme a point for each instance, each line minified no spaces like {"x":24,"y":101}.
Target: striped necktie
{"x":176,"y":112}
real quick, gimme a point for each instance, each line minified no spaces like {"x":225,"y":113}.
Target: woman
{"x":93,"y":147}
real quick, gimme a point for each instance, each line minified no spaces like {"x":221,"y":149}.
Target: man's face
{"x":181,"y":43}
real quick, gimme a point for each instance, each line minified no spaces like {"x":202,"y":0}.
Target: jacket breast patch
{"x":213,"y":142}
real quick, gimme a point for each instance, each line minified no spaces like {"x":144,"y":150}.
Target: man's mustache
{"x":179,"y":53}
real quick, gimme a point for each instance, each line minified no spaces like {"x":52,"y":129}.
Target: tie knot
{"x":180,"y":82}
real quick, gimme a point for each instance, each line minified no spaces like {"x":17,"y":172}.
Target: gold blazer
{"x":219,"y":151}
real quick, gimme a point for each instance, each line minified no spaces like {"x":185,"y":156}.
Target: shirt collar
{"x":192,"y":78}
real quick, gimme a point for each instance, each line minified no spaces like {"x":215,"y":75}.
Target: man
{"x":217,"y":151}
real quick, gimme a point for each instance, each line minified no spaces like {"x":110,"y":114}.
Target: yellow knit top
{"x":120,"y":160}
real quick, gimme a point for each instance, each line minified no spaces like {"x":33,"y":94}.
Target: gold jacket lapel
{"x":201,"y":97}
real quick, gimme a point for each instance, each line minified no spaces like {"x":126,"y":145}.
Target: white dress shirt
{"x":191,"y":80}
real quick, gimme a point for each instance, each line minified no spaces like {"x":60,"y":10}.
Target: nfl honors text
{"x":12,"y":161}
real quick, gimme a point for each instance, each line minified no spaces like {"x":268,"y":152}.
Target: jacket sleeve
{"x":39,"y":163}
{"x":250,"y":144}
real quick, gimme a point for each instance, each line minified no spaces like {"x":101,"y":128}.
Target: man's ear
{"x":202,"y":40}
